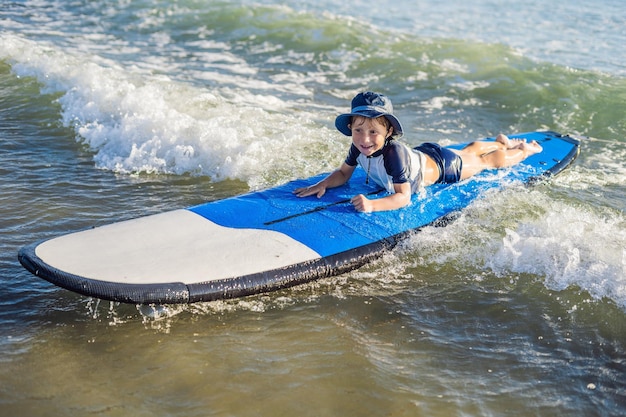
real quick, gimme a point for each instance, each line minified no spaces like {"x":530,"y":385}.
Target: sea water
{"x":111,"y":110}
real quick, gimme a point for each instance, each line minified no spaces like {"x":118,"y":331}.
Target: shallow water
{"x":114,"y":111}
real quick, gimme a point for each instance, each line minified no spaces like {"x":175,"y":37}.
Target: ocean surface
{"x":111,"y":110}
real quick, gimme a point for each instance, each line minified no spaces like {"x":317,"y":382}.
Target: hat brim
{"x":343,"y":121}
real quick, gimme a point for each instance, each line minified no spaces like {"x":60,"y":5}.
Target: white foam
{"x":136,"y":121}
{"x":569,"y":247}
{"x":521,"y":232}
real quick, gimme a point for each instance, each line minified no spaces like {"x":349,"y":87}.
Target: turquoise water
{"x":114,"y":110}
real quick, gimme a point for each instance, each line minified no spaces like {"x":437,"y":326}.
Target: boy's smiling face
{"x":369,"y":135}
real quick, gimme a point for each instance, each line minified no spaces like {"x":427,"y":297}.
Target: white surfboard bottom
{"x":174,"y":246}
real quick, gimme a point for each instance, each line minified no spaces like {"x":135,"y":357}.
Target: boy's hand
{"x":361,"y":203}
{"x":318,"y":189}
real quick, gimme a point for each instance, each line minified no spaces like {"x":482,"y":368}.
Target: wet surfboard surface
{"x":264,"y":240}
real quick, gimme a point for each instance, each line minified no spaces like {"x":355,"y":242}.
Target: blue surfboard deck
{"x":264,"y":240}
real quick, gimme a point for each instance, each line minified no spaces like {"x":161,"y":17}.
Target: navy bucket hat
{"x":370,"y":105}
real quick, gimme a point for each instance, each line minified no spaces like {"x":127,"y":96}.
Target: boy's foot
{"x":531,"y":148}
{"x":509,"y":143}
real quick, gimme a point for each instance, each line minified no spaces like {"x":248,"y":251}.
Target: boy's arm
{"x":336,"y":178}
{"x":399,"y":199}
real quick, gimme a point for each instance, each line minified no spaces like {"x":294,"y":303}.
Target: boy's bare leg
{"x":502,"y":143}
{"x":499,"y":158}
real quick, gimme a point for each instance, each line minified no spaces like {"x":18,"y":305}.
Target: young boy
{"x":403,"y":171}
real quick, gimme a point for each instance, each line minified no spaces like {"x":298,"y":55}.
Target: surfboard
{"x":264,"y":240}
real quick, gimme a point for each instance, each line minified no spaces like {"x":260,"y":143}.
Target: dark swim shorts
{"x":449,"y":163}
